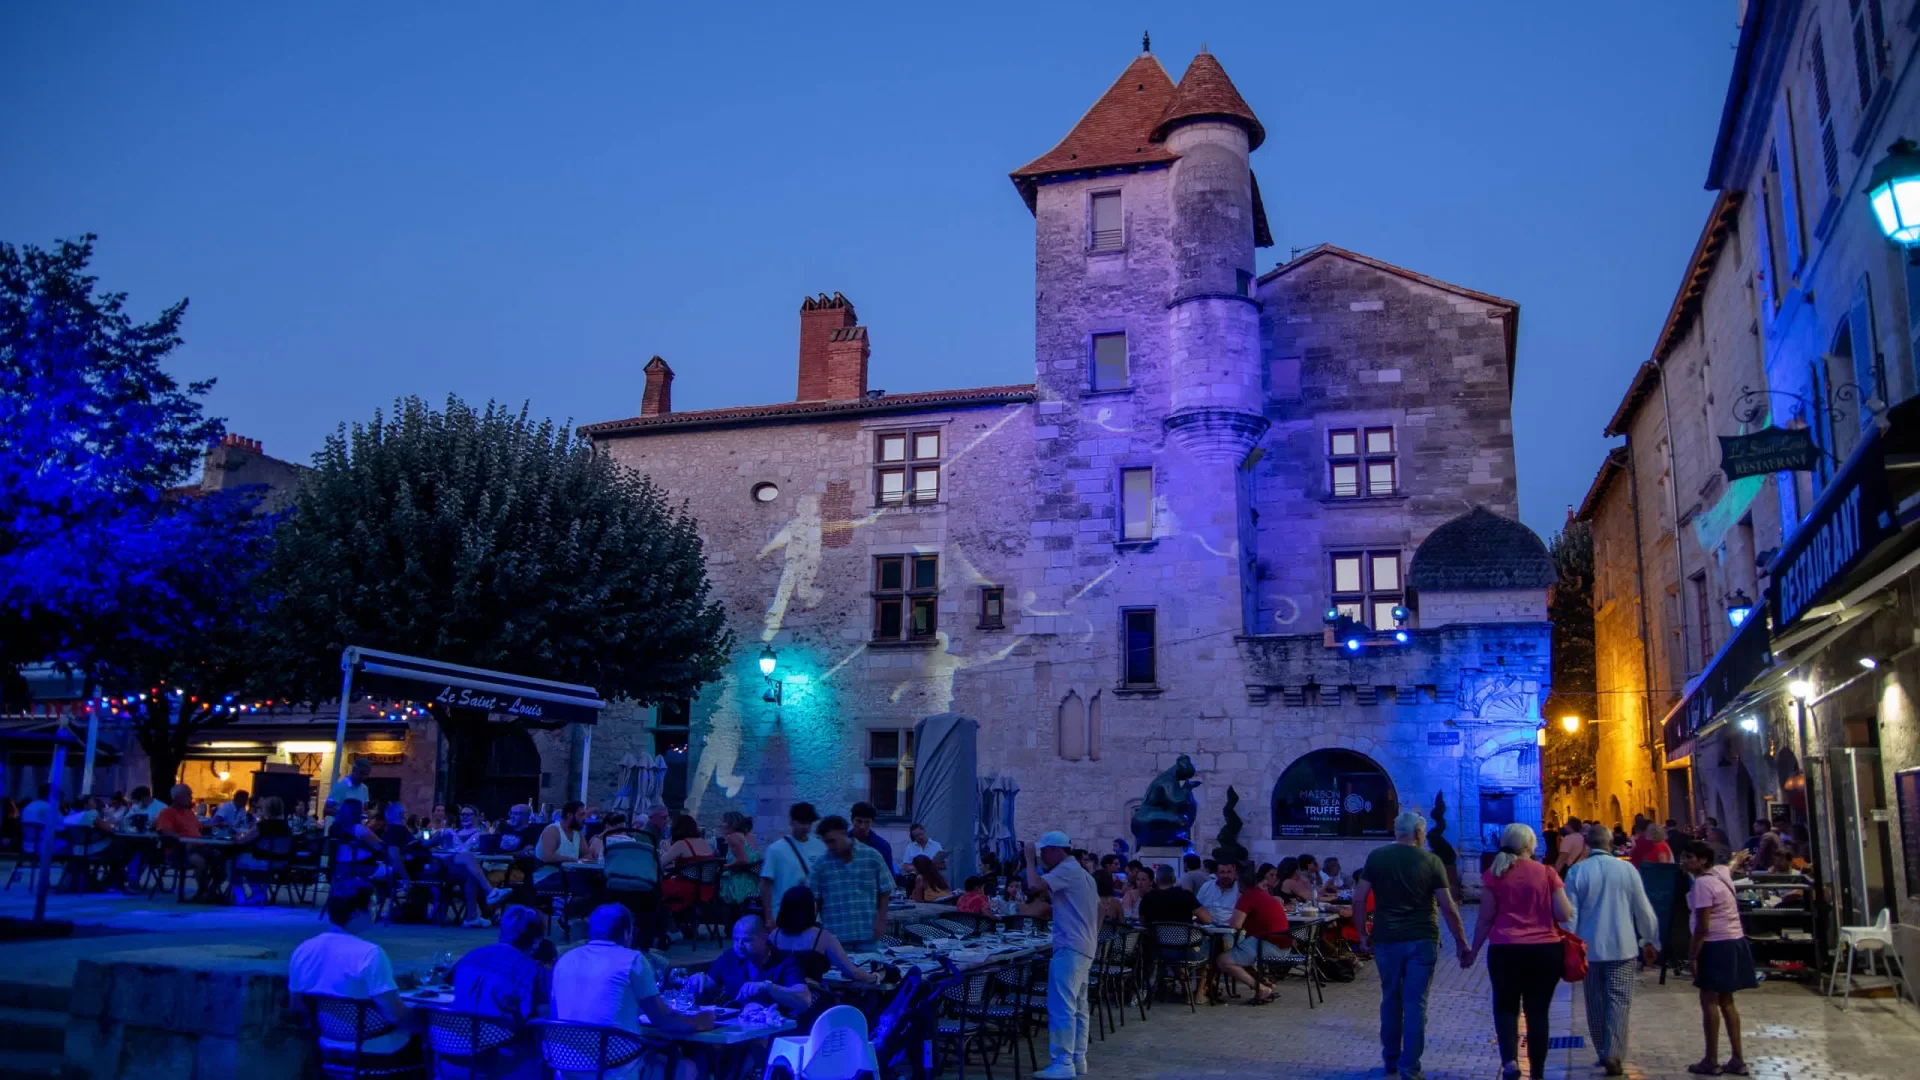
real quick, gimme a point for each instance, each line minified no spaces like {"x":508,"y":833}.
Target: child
{"x":974,"y":900}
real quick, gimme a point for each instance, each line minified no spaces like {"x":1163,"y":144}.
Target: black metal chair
{"x":355,"y":1021}
{"x":588,"y":1048}
{"x":29,"y":860}
{"x":1117,"y":976}
{"x":1019,"y":1006}
{"x":1272,"y":963}
{"x":84,"y":851}
{"x":704,"y":877}
{"x":468,"y":1046}
{"x":1181,"y":952}
{"x":965,"y":1030}
{"x":171,"y":859}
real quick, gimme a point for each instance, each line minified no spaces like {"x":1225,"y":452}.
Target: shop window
{"x":1334,"y":793}
{"x":890,"y":771}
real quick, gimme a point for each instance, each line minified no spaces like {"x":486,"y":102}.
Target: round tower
{"x":1213,"y":321}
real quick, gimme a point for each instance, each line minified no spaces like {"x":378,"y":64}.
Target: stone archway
{"x":1334,"y":792}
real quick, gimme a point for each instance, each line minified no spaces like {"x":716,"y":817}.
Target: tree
{"x":104,"y":567}
{"x":1570,"y":760}
{"x":483,"y":538}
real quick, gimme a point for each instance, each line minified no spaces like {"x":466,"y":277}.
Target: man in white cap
{"x":1076,"y":924}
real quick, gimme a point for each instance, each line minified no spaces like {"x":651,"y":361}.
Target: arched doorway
{"x":1509,"y":782}
{"x":1334,"y":792}
{"x":1613,"y":804}
{"x":493,"y":766}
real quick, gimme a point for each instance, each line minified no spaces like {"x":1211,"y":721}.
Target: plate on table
{"x":435,"y":996}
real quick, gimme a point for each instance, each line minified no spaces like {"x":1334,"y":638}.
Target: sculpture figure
{"x":1165,"y":817}
{"x":1230,"y":848}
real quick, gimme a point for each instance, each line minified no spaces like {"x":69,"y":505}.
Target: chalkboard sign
{"x":1779,"y":813}
{"x":1906,"y":785}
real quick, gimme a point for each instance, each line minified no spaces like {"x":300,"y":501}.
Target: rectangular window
{"x":890,"y":772}
{"x":908,"y":469}
{"x":671,"y":738}
{"x":1703,"y":614}
{"x":1366,"y":587}
{"x":1776,"y":232}
{"x":1107,"y":232}
{"x":1869,"y":46}
{"x":1140,"y":660}
{"x":1823,"y":112}
{"x":1362,"y":461}
{"x":993,"y":601}
{"x":1136,"y":504}
{"x":906,"y":597}
{"x":1109,"y":362}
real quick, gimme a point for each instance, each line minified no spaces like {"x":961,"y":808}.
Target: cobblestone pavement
{"x":1791,"y":1032}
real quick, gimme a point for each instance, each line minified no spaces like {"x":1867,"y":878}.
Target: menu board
{"x":1906,"y":786}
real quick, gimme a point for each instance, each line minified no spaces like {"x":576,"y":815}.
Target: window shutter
{"x":1106,"y":221}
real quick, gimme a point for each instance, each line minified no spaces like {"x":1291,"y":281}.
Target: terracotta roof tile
{"x":1205,"y":92}
{"x":1116,"y":131}
{"x":791,"y":411}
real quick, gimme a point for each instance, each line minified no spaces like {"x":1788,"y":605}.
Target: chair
{"x":1277,"y":961}
{"x":1874,"y":940}
{"x":172,"y":860}
{"x":1116,"y":975}
{"x":590,"y":1048}
{"x":925,"y":932}
{"x":466,"y":1046}
{"x":964,"y":1028}
{"x":356,"y":1020}
{"x":704,"y":874}
{"x":29,"y":859}
{"x":1020,"y":1007}
{"x":84,"y":849}
{"x":1180,"y":952}
{"x":964,"y":925}
{"x":836,"y":1049}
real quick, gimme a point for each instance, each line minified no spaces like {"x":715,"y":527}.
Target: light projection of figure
{"x":720,"y":749}
{"x":941,"y":667}
{"x":801,"y":539}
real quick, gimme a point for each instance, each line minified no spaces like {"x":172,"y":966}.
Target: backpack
{"x":1336,"y":961}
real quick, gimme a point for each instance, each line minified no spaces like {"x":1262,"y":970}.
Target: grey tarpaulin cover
{"x":944,"y":797}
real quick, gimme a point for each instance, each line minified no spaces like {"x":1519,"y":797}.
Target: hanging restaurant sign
{"x":1769,"y":450}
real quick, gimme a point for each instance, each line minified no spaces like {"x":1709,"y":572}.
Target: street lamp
{"x":768,"y":661}
{"x":1800,"y":688}
{"x":1739,"y":607}
{"x":1893,"y":191}
{"x":1570,"y":723}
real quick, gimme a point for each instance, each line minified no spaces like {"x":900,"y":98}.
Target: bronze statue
{"x":1165,"y":817}
{"x":1231,"y":849}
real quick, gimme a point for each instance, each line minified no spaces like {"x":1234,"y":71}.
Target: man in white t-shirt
{"x":1053,"y":872}
{"x":785,"y":862}
{"x":352,"y":786}
{"x":1222,"y":894}
{"x":233,"y":813}
{"x":339,"y":962}
{"x":606,"y":982}
{"x":918,"y":844}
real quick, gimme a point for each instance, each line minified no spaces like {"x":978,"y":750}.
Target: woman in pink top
{"x":1521,"y":903}
{"x":1722,"y":960}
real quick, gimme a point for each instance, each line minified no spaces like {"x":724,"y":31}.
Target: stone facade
{"x":1162,"y":516}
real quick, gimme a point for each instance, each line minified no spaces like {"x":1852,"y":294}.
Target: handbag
{"x":1573,"y":952}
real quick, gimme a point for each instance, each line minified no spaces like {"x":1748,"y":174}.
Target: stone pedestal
{"x":185,"y":1014}
{"x":1153,"y":857}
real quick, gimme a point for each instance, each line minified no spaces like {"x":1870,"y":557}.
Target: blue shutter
{"x":1867,"y":376}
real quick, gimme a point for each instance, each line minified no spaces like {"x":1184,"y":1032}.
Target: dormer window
{"x":1106,"y":232}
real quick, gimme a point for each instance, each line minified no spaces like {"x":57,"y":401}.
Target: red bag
{"x":1573,"y":956}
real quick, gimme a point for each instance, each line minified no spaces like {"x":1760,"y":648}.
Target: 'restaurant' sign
{"x":1849,"y":521}
{"x":511,"y":705}
{"x":1769,"y":450}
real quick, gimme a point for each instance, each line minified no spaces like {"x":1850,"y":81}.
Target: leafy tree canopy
{"x":481,"y":537}
{"x":1570,"y":760}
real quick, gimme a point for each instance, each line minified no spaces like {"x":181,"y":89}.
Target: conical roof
{"x":1117,"y":130}
{"x":1205,"y":93}
{"x":1481,"y":550}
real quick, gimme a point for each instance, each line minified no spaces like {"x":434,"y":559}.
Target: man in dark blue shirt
{"x":750,"y":972}
{"x":504,"y":980}
{"x":863,"y":815}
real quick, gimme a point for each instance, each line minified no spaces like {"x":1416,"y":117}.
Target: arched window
{"x":1334,"y":793}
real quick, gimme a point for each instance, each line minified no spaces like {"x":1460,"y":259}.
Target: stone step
{"x":32,"y":1031}
{"x":32,"y":995}
{"x":19,"y":1066}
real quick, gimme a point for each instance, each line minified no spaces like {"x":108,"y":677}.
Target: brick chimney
{"x":833,"y":350}
{"x":658,"y":398}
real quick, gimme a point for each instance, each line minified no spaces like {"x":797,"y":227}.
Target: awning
{"x":1741,"y":660}
{"x":538,"y":702}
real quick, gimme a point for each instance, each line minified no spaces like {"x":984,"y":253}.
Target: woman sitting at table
{"x":798,"y":935}
{"x":1139,"y":884}
{"x":1303,"y":885}
{"x":459,"y":852}
{"x":740,"y":878}
{"x":1111,"y":909}
{"x":358,"y":852}
{"x":1268,"y":878}
{"x":688,"y":847}
{"x":251,"y":869}
{"x":929,"y":885}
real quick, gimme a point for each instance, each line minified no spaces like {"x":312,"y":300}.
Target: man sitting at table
{"x":1195,"y":876}
{"x":340,"y":963}
{"x":519,"y":832}
{"x":233,"y":813}
{"x":145,"y":805}
{"x":1168,"y":902}
{"x":751,"y":971}
{"x":504,"y":980}
{"x":1222,"y":893}
{"x":1262,"y":920}
{"x":179,"y":822}
{"x":605,"y":982}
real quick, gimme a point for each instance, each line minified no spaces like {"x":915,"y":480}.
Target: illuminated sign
{"x":1769,"y":450}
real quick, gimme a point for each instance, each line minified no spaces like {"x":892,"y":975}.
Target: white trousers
{"x":1067,"y":1011}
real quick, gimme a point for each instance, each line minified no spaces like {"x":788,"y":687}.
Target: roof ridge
{"x":1114,"y":132}
{"x":783,"y":410}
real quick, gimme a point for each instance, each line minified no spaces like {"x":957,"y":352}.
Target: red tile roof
{"x":794,"y":411}
{"x":1205,"y":93}
{"x":1117,"y":131}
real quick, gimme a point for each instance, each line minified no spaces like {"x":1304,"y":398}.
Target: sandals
{"x":1736,"y":1067}
{"x":1704,"y":1068}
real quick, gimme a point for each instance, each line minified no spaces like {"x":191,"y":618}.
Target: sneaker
{"x":478,"y":922}
{"x":494,"y":896}
{"x":1079,"y":1066}
{"x":1059,"y":1070}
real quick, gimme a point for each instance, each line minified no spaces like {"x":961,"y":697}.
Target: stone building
{"x":1797,"y":320}
{"x":1268,"y":522}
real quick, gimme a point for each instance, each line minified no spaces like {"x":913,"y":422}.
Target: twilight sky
{"x":521,"y":202}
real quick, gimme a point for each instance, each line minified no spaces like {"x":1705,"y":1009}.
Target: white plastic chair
{"x":838,"y":1048}
{"x":1875,"y":940}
